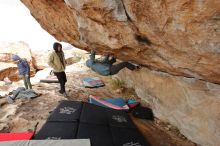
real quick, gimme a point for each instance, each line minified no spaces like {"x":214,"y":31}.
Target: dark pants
{"x":116,"y":68}
{"x":61,"y":76}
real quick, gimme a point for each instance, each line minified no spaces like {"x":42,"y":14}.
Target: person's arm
{"x":112,"y":60}
{"x":92,"y":56}
{"x":105,"y":59}
{"x":64,"y":60}
{"x":51,"y":61}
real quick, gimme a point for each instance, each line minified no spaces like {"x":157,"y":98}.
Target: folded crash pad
{"x":94,"y":82}
{"x":133,"y":103}
{"x":99,"y":135}
{"x":112,"y":103}
{"x":15,"y":143}
{"x":66,"y":111}
{"x":93,"y":114}
{"x":57,"y":130}
{"x":49,"y":79}
{"x":119,"y":119}
{"x":143,"y":113}
{"x":15,"y":136}
{"x":72,"y":142}
{"x":127,"y":137}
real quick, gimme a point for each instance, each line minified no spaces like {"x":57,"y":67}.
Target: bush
{"x":116,"y":83}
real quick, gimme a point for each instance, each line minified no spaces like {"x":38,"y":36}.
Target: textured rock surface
{"x":179,"y":37}
{"x":40,"y":59}
{"x":9,"y":69}
{"x":189,"y":104}
{"x":20,"y":48}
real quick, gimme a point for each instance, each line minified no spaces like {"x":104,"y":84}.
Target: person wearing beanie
{"x":57,"y":62}
{"x":24,"y":70}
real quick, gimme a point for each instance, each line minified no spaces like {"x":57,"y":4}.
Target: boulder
{"x":189,"y":104}
{"x":8,"y":70}
{"x":177,"y":37}
{"x":178,"y":41}
{"x":7,"y":67}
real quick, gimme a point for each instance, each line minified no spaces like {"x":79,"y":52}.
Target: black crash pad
{"x":127,"y":137}
{"x":119,"y":119}
{"x":66,"y":111}
{"x":99,"y":135}
{"x":57,"y":130}
{"x":143,"y":113}
{"x":93,"y":114}
{"x":48,"y":81}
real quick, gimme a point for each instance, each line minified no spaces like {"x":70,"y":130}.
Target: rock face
{"x":8,"y":70}
{"x":180,"y":38}
{"x":189,"y":104}
{"x":7,"y":67}
{"x":19,"y":48}
{"x":40,"y":59}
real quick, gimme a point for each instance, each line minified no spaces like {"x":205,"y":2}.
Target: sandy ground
{"x":26,"y":115}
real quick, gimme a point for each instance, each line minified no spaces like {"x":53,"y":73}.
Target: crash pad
{"x":93,"y":82}
{"x":72,"y":142}
{"x":119,"y":119}
{"x":16,"y":136}
{"x":49,"y":79}
{"x":57,"y":130}
{"x":99,"y":135}
{"x":143,"y":113}
{"x":103,"y":126}
{"x":93,"y":114}
{"x":112,"y":103}
{"x":132,"y":103}
{"x":66,"y":111}
{"x":127,"y":137}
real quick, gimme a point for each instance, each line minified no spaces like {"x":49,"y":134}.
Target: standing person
{"x":58,"y":63}
{"x":106,"y":66}
{"x":24,"y":70}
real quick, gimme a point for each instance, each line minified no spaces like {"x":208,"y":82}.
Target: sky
{"x":17,"y":24}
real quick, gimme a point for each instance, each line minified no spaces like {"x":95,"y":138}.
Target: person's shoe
{"x":10,"y":100}
{"x":114,"y":59}
{"x":137,"y":67}
{"x":60,"y":93}
{"x":64,"y":94}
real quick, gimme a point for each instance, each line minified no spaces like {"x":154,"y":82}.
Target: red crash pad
{"x":16,"y":136}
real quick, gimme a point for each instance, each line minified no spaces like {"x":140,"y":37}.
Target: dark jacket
{"x":100,"y":66}
{"x":23,"y":66}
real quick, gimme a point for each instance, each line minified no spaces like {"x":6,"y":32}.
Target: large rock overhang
{"x":177,"y":37}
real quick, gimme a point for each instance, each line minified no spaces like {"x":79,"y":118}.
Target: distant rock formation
{"x":7,"y":67}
